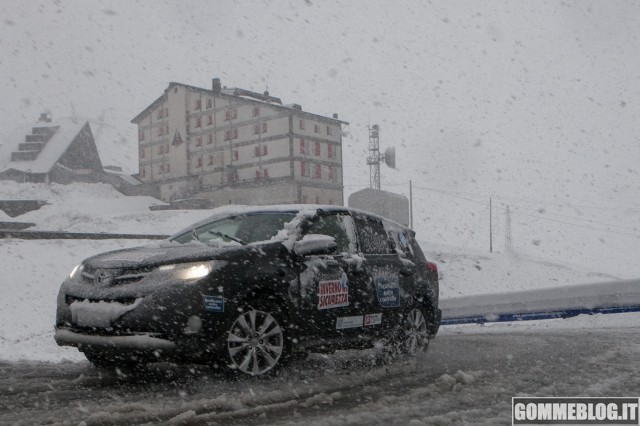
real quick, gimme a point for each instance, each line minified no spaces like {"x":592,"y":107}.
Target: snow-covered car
{"x":252,"y":287}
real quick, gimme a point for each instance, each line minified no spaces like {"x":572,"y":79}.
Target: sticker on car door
{"x":388,"y":291}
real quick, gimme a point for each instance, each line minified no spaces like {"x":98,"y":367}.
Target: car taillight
{"x":432,"y":267}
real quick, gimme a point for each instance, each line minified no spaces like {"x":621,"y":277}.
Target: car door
{"x":385,"y":271}
{"x":331,"y":285}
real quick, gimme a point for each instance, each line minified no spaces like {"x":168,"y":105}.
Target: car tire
{"x":414,"y":335}
{"x":256,"y":343}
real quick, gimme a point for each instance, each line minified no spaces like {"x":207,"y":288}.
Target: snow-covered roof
{"x":67,"y":130}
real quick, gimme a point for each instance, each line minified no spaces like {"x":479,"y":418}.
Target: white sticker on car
{"x":372,"y":319}
{"x":348,"y":322}
{"x":333,"y":293}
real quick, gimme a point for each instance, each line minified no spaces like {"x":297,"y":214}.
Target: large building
{"x":234,"y":146}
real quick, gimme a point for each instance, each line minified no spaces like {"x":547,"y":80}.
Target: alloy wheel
{"x":255,"y":342}
{"x":416,"y":338}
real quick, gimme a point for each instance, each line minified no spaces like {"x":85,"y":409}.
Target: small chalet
{"x":63,"y":151}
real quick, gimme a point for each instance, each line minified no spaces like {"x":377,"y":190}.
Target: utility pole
{"x":508,"y":244}
{"x":490,"y":226}
{"x":410,"y":205}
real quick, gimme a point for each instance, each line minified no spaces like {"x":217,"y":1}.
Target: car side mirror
{"x":314,"y":244}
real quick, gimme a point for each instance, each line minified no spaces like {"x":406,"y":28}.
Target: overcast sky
{"x":536,"y":104}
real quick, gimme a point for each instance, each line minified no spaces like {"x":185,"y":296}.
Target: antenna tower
{"x":373,"y":160}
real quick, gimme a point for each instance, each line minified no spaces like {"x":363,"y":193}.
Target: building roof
{"x":232,"y":93}
{"x":65,"y":131}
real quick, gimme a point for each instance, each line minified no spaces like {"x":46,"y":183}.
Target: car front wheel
{"x":255,"y":343}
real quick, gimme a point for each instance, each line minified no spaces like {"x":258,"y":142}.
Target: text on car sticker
{"x":333,"y":293}
{"x":372,"y":319}
{"x":388,"y":290}
{"x":348,"y":322}
{"x":213,"y":303}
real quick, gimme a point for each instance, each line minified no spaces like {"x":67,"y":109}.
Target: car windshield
{"x":244,"y":229}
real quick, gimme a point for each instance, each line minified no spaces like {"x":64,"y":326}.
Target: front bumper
{"x":147,"y":342}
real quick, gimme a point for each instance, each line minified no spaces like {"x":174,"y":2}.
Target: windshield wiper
{"x":228,"y":237}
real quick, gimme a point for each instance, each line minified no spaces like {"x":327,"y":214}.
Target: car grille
{"x":123,"y":300}
{"x":113,"y":277}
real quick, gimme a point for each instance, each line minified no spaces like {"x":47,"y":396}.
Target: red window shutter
{"x":318,"y":149}
{"x":235,"y":133}
{"x":302,"y":150}
{"x":264,"y":127}
{"x":256,"y":151}
{"x":264,"y":150}
{"x":266,"y":172}
{"x":318,"y":171}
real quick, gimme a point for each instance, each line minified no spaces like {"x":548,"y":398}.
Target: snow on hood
{"x":159,"y":253}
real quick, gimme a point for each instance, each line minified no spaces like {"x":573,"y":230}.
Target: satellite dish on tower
{"x":390,"y":157}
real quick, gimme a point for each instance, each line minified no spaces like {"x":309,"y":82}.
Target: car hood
{"x":164,"y":253}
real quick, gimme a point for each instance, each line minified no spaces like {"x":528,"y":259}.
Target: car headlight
{"x":191,"y":271}
{"x":76,"y":271}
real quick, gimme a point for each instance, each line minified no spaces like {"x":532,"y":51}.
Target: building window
{"x":303,"y":168}
{"x":302,"y":148}
{"x":258,"y":174}
{"x":256,"y":111}
{"x":141,"y":136}
{"x":256,"y":129}
{"x":329,"y":131}
{"x":160,"y":112}
{"x":161,"y":150}
{"x":209,"y":103}
{"x":211,"y":160}
{"x":301,"y":124}
{"x":265,"y":173}
{"x":330,"y":174}
{"x":264,"y":127}
{"x":264,"y":150}
{"x":168,"y":168}
{"x":235,"y":155}
{"x":317,"y":149}
{"x":318,"y":171}
{"x":199,"y":122}
{"x":316,"y":128}
{"x":198,"y":104}
{"x":161,"y":168}
{"x":256,"y":151}
{"x":199,"y":141}
{"x":144,"y":173}
{"x":199,"y":162}
{"x":142,"y":153}
{"x":160,"y":130}
{"x":235,"y":133}
{"x":231,"y":114}
{"x":330,"y":151}
{"x":210,"y":139}
{"x":209,"y":120}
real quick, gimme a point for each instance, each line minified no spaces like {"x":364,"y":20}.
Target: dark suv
{"x":251,"y":287}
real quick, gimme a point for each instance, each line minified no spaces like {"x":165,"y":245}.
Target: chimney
{"x":335,"y":115}
{"x":44,"y":118}
{"x":215,"y":85}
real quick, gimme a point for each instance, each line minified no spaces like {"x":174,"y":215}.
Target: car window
{"x":402,"y":242}
{"x":372,"y":236}
{"x":334,"y":225}
{"x":246,"y":228}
